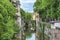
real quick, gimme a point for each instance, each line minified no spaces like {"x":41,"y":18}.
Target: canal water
{"x":32,"y":37}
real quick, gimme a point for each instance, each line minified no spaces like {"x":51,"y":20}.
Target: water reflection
{"x":32,"y":37}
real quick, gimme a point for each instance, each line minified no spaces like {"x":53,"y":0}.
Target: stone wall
{"x":55,"y":34}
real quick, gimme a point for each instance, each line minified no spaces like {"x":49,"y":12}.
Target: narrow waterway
{"x":27,"y":5}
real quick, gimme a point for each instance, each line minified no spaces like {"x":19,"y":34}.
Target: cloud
{"x":27,"y":5}
{"x":28,"y":9}
{"x":27,"y":1}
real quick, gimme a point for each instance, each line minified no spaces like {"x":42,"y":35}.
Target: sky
{"x":27,"y":5}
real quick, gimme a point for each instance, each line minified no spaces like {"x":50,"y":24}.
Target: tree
{"x":47,"y":8}
{"x":26,"y":16}
{"x":7,"y":20}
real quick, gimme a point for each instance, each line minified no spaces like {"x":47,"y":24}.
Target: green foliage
{"x":28,"y":34}
{"x":22,"y":12}
{"x":7,"y":20}
{"x":25,"y":15}
{"x":48,"y":8}
{"x":10,"y":9}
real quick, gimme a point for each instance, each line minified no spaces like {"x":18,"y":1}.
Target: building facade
{"x":16,"y":4}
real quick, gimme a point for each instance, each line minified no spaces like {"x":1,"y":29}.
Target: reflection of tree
{"x":44,"y":31}
{"x":28,"y":34}
{"x":33,"y":25}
